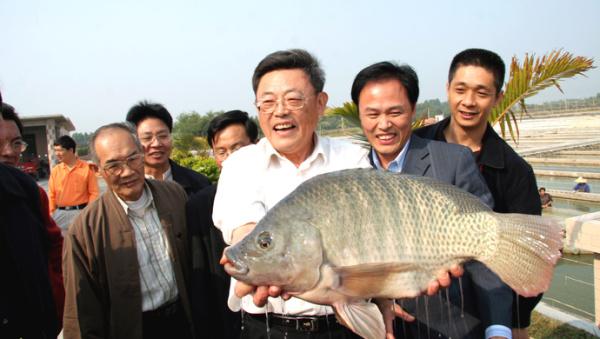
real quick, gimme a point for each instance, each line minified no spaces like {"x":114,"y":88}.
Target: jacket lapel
{"x":417,"y":161}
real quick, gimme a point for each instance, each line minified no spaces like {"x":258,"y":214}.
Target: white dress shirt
{"x":255,"y":178}
{"x":157,"y":277}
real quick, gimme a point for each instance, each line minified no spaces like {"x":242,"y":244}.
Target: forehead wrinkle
{"x":125,"y":158}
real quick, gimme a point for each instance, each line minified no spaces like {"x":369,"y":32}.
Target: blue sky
{"x":92,"y":60}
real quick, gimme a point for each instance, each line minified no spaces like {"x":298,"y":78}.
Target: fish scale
{"x":380,"y":221}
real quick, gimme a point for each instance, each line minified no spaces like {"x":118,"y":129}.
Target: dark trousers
{"x":166,"y":322}
{"x":255,"y":327}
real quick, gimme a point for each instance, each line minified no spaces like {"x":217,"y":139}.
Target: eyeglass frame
{"x":13,"y":145}
{"x":117,"y":166}
{"x":158,"y":137}
{"x":281,"y":100}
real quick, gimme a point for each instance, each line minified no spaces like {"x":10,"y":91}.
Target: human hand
{"x":444,"y":279}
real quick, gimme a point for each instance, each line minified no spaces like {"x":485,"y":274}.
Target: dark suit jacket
{"x":209,"y":280}
{"x":487,"y":300}
{"x":191,"y":181}
{"x":26,"y":305}
{"x":101,"y":270}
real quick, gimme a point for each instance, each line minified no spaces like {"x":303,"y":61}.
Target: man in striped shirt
{"x":125,"y":254}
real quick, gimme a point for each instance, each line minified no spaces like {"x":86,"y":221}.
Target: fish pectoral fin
{"x":362,"y":318}
{"x":369,"y":280}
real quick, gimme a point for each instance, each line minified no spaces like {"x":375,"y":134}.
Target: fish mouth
{"x":234,"y":267}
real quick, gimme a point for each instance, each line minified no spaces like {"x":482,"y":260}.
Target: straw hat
{"x":580,"y":180}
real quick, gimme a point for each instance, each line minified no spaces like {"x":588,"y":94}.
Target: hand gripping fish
{"x":343,"y":237}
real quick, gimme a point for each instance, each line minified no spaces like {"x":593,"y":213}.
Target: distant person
{"x":27,"y":309}
{"x":581,"y":185}
{"x":11,"y":147}
{"x":386,"y":96}
{"x":126,"y":258}
{"x":545,"y":198}
{"x":154,"y":125}
{"x":227,"y":133}
{"x":474,"y":87}
{"x":72,"y":185}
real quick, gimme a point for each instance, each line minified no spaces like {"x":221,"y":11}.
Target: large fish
{"x":347,"y":236}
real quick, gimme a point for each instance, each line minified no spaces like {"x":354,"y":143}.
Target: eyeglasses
{"x":16,"y":145}
{"x":292,"y":101}
{"x":116,"y":167}
{"x":225,"y":152}
{"x":161,"y":137}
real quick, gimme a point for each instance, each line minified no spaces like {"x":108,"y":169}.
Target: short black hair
{"x":222,"y":121}
{"x":291,"y":59}
{"x":66,"y":142}
{"x":489,"y":60}
{"x":145,"y":109}
{"x":387,"y":70}
{"x":542,"y":188}
{"x":8,"y":113}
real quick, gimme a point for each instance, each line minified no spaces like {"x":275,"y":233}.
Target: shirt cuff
{"x":498,"y":331}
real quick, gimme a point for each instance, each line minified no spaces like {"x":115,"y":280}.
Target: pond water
{"x":572,"y":288}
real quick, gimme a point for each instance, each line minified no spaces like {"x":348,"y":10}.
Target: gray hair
{"x":125,"y":126}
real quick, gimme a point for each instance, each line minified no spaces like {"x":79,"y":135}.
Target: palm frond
{"x":349,"y":112}
{"x":526,"y":80}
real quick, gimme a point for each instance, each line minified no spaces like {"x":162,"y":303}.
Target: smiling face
{"x":290,"y":131}
{"x":114,"y":145}
{"x":385,"y":117}
{"x":156,"y":140}
{"x":9,"y":133}
{"x":471,"y":96}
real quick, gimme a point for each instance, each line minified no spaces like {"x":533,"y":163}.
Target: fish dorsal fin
{"x":362,"y":318}
{"x":371,"y":280}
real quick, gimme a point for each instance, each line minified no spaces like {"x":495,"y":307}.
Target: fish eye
{"x":264,"y":240}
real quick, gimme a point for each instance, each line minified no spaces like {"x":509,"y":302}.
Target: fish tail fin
{"x":527,"y":250}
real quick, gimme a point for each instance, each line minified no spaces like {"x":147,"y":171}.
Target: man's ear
{"x":322,"y":99}
{"x":499,"y":98}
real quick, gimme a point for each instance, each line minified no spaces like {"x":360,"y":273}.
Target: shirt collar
{"x":272,"y":156}
{"x":491,"y":154}
{"x":395,"y":165}
{"x":167,"y":176}
{"x":78,"y":163}
{"x":146,"y":195}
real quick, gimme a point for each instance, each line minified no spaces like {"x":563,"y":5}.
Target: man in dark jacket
{"x":26,"y":306}
{"x":227,"y":133}
{"x":154,"y":125}
{"x":474,"y":87}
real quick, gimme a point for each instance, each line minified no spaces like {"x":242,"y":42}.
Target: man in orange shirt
{"x":72,"y":183}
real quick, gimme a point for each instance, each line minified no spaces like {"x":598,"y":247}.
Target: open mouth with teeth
{"x":284,"y":127}
{"x":468,"y":114}
{"x":386,"y":138}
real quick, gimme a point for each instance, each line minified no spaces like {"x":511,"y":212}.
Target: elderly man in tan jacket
{"x":125,"y":255}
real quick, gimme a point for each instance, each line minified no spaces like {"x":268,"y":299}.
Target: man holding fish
{"x":290,"y":99}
